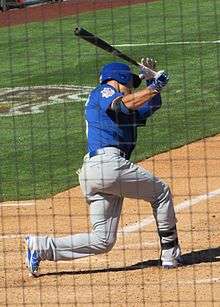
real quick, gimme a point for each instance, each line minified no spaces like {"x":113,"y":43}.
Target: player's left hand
{"x":147,"y":64}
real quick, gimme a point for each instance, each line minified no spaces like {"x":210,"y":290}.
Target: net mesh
{"x":46,"y":76}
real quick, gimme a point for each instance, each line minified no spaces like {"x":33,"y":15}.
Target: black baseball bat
{"x":98,"y":42}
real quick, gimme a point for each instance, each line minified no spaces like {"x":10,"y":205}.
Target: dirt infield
{"x":128,"y":275}
{"x":59,"y":10}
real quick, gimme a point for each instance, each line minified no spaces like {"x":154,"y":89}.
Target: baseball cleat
{"x":171,"y":264}
{"x":32,"y":259}
{"x":171,"y":258}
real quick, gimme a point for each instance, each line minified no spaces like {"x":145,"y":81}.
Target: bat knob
{"x":77,"y":31}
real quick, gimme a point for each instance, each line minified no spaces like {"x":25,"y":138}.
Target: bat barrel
{"x":98,"y":42}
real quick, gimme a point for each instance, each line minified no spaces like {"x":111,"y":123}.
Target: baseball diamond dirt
{"x":59,"y":10}
{"x":129,"y":275}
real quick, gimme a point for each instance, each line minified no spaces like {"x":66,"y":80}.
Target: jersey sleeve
{"x":149,"y":108}
{"x":106,"y":96}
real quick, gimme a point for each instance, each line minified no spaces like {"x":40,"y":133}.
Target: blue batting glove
{"x":160,"y":81}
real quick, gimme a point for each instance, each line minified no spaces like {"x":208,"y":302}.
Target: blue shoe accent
{"x":32,"y":259}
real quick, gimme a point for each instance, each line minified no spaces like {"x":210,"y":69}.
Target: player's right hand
{"x":147,"y":65}
{"x":149,"y":62}
{"x":160,"y":81}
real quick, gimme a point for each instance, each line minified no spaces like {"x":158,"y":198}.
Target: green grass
{"x":42,"y":153}
{"x":39,"y":154}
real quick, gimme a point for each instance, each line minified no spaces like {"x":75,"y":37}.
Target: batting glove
{"x":148,"y":66}
{"x":160,"y":81}
{"x":149,"y":62}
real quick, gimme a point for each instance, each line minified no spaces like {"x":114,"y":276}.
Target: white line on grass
{"x":136,"y":226}
{"x":167,"y":43}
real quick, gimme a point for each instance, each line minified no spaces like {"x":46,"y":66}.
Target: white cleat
{"x":171,"y":258}
{"x":32,"y":259}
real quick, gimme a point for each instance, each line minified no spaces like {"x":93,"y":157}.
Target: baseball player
{"x":113,"y":113}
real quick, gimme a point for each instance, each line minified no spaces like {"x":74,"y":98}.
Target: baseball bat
{"x":98,"y":42}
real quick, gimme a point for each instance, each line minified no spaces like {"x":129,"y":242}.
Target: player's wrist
{"x":160,"y":81}
{"x":154,"y":87}
{"x":151,"y":89}
{"x":149,"y":82}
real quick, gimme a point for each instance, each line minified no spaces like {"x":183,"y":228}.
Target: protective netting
{"x":47,"y":74}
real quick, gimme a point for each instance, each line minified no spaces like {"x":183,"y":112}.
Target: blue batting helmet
{"x":119,"y":72}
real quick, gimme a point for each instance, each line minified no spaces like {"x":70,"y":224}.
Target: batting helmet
{"x":119,"y":72}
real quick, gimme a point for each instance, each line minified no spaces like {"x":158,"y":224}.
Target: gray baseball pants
{"x":105,"y":180}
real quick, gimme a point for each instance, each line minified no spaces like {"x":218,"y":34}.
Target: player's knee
{"x":163,"y":195}
{"x":110,"y":244}
{"x":166,"y":189}
{"x":105,"y":244}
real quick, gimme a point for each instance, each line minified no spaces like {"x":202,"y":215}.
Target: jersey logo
{"x":107,"y":92}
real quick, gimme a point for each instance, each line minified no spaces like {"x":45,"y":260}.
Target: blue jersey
{"x":106,"y":127}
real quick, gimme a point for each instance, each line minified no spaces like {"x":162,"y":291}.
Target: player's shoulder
{"x":106,"y":90}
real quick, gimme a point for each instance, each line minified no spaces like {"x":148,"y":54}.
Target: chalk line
{"x":189,"y":282}
{"x":183,"y":205}
{"x":186,"y":282}
{"x":17,"y":204}
{"x":140,"y":224}
{"x":167,"y":43}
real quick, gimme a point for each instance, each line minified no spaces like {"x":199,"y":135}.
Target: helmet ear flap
{"x":136,"y":80}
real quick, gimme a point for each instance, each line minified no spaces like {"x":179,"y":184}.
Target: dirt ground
{"x":59,"y":10}
{"x":129,"y":275}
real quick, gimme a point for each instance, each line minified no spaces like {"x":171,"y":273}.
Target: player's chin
{"x":126,"y":90}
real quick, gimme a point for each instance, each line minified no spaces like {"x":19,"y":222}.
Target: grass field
{"x":40,"y":153}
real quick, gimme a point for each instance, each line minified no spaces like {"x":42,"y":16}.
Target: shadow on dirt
{"x":196,"y":257}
